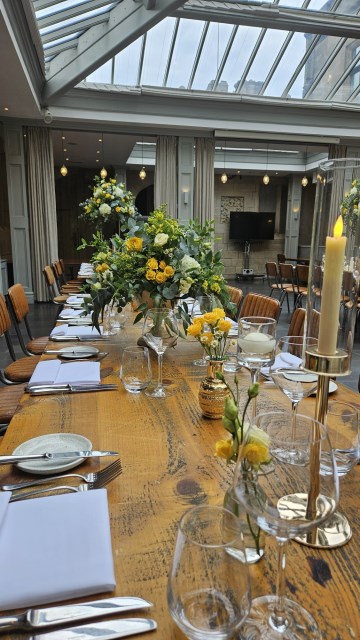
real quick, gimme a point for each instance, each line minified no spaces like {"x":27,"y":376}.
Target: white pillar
{"x":293,"y":218}
{"x":185,"y":179}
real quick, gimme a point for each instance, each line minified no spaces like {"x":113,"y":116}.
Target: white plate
{"x":52,"y":443}
{"x":72,"y":353}
{"x":332,"y":387}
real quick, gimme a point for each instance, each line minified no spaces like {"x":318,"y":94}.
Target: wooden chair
{"x":9,"y":401}
{"x":301,"y":282}
{"x":21,"y":369}
{"x":236,"y":297}
{"x":256,"y":304}
{"x":287,"y":275}
{"x":275,"y":284}
{"x":314,"y":324}
{"x":281,"y":258}
{"x":19,"y":309}
{"x":62,"y":285}
{"x":55,"y":296}
{"x":297,"y":322}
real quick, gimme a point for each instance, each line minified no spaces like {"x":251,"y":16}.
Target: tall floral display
{"x":110,"y":202}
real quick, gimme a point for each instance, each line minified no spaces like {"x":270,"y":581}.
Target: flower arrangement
{"x":349,"y":207}
{"x":211,"y":330}
{"x":161,"y":257}
{"x":110,"y":202}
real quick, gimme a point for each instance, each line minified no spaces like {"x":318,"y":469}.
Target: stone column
{"x":185,"y":179}
{"x":293,"y":218}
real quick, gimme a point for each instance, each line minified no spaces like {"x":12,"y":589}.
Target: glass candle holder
{"x":334,"y":270}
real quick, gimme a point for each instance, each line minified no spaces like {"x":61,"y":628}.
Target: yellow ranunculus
{"x":255,"y":454}
{"x":117,"y":209}
{"x":162,"y":264}
{"x":134,"y":244}
{"x":194,"y":329}
{"x":102,"y":267}
{"x":169,"y":271}
{"x":150,"y":275}
{"x":207,"y":338}
{"x":211,"y":318}
{"x":160,"y":277}
{"x":224,"y":449}
{"x":107,"y":195}
{"x":224,"y":325}
{"x":219,"y":311}
{"x":152,"y":264}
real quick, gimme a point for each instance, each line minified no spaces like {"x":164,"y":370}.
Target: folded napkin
{"x":54,"y":548}
{"x":73,"y":313}
{"x":56,"y":372}
{"x":65,"y":330}
{"x":78,"y":299}
{"x":285,"y":360}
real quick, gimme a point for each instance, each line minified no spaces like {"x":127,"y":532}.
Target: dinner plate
{"x":72,"y":353}
{"x":332,"y":387}
{"x":52,"y":443}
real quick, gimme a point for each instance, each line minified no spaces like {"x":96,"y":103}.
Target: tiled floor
{"x":42,"y":318}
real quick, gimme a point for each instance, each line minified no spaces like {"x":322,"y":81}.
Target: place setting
{"x":54,"y":376}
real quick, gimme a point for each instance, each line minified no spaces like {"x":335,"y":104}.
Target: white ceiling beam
{"x":74,"y":27}
{"x":71,"y":12}
{"x":127,"y":21}
{"x":272,"y":17}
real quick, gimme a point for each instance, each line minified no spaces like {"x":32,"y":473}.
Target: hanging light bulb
{"x":142,"y":172}
{"x":304,"y":181}
{"x":266,"y":178}
{"x":224,"y":178}
{"x":103,"y":172}
{"x":63,"y":169}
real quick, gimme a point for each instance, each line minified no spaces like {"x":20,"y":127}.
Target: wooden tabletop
{"x":167,"y":454}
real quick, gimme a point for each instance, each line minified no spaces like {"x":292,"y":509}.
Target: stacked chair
{"x":73,"y":286}
{"x":55,"y":295}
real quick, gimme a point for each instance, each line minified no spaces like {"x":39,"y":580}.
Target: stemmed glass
{"x":202,"y":305}
{"x":160,"y":331}
{"x":256,"y":345}
{"x":291,"y":501}
{"x":208,"y":588}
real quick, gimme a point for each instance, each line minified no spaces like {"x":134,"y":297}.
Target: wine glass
{"x":208,"y":589}
{"x":288,"y":373}
{"x":202,"y":305}
{"x":256,"y":345}
{"x":291,"y":501}
{"x":160,"y":331}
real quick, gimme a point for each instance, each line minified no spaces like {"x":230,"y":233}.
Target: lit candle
{"x":331,"y":290}
{"x":257,"y":343}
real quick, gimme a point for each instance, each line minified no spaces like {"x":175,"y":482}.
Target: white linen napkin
{"x":73,"y":313}
{"x":54,"y":548}
{"x":56,"y":372}
{"x":65,"y":330}
{"x":78,"y":299}
{"x":283,"y":360}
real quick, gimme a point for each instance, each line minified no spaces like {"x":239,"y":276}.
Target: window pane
{"x":186,"y":45}
{"x":214,"y":47}
{"x":264,"y":58}
{"x":103,"y":74}
{"x":127,"y":64}
{"x":243,"y":45}
{"x":322,"y":52}
{"x":157,"y":52}
{"x":287,"y":65}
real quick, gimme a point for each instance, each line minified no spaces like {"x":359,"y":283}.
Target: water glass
{"x":343,"y":428}
{"x":135,"y":370}
{"x":208,"y":588}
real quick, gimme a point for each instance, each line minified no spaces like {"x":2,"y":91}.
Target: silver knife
{"x":48,"y":389}
{"x":55,"y":456}
{"x":51,"y":616}
{"x":85,"y":338}
{"x":101,"y":630}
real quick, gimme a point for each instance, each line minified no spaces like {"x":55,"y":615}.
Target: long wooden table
{"x":167,"y":454}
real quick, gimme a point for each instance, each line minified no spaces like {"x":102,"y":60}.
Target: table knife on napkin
{"x":84,"y":338}
{"x":56,"y":456}
{"x":48,"y":389}
{"x":102,"y":630}
{"x":64,"y":614}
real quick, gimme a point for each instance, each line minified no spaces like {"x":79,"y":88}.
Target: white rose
{"x":353,"y":190}
{"x":188,"y":263}
{"x":104,"y":209}
{"x":118,"y":192}
{"x":160,"y":239}
{"x":97,"y":193}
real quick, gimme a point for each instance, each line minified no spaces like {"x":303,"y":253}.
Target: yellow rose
{"x":224,"y":449}
{"x":162,"y":264}
{"x":224,"y":325}
{"x":207,"y":338}
{"x":169,"y":271}
{"x":134,"y":244}
{"x":219,"y":312}
{"x":102,"y":267}
{"x":160,"y":277}
{"x":255,"y":454}
{"x":117,"y":209}
{"x":194,"y":329}
{"x":150,"y":275}
{"x":107,"y":195}
{"x":210,"y":318}
{"x":152,"y":264}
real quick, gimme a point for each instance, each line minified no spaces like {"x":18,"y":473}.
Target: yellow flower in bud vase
{"x":224,"y":449}
{"x":195,"y":329}
{"x":150,"y":275}
{"x":207,"y":338}
{"x":152,"y":264}
{"x":224,"y":325}
{"x":169,"y":271}
{"x":256,"y":454}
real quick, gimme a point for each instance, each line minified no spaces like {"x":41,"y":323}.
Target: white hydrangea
{"x":187,"y":263}
{"x":118,"y":192}
{"x":160,"y":239}
{"x":104,"y":209}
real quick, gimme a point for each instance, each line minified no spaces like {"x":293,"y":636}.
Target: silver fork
{"x":83,"y":486}
{"x":87,"y":477}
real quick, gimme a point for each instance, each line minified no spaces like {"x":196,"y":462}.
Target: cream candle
{"x":331,"y":290}
{"x":257,"y":343}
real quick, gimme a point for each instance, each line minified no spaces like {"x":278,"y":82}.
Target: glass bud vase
{"x":212,"y":392}
{"x":254,"y":537}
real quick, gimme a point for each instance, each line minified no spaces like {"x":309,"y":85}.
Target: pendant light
{"x":142,"y":172}
{"x":304,"y":180}
{"x":223,"y":176}
{"x":266,"y":178}
{"x":63,"y":169}
{"x":103,"y":172}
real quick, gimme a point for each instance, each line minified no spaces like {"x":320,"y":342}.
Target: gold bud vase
{"x":212,"y":392}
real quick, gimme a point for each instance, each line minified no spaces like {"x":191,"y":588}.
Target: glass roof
{"x":230,"y":47}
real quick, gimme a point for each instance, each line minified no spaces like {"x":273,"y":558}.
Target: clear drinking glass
{"x":208,"y":588}
{"x":256,"y":345}
{"x":343,"y":427}
{"x":291,"y":501}
{"x":202,"y":305}
{"x":160,"y":331}
{"x":135,"y":369}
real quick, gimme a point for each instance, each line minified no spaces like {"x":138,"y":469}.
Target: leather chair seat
{"x":21,"y":370}
{"x":9,"y":400}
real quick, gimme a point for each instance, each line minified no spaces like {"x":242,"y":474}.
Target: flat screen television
{"x":248,"y":225}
